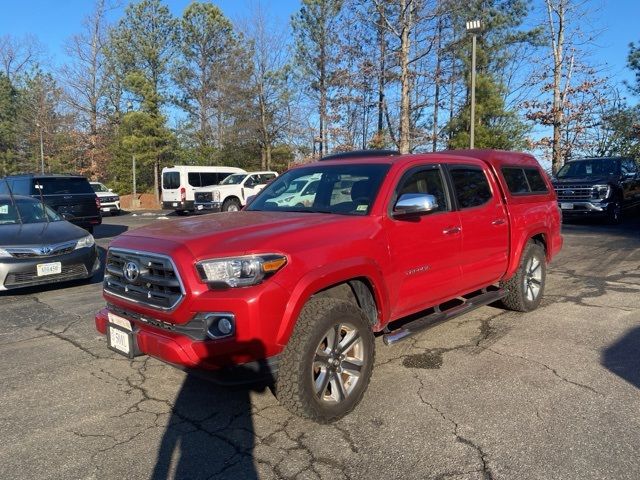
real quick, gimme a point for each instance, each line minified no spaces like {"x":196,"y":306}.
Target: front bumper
{"x":584,"y":208}
{"x":208,"y":206}
{"x":22,"y":272}
{"x":110,"y":207}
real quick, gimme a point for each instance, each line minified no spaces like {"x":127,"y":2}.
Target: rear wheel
{"x":526,"y":287}
{"x":327,"y":364}
{"x":231,"y":205}
{"x":614,"y":214}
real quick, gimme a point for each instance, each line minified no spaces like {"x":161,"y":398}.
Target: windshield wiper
{"x":15,"y":204}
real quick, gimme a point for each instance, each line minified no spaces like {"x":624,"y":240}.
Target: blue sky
{"x":53,"y":21}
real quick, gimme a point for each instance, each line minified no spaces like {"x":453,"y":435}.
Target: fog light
{"x":225,"y":326}
{"x":220,"y":325}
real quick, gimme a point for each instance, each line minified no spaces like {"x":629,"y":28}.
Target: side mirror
{"x":414,"y":204}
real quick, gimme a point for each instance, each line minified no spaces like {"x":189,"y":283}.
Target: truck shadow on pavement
{"x":623,"y":357}
{"x":108,"y":230}
{"x":210,"y":431}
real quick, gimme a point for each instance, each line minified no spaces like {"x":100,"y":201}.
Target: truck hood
{"x":248,"y":232}
{"x":36,"y":234}
{"x":220,"y":188}
{"x":590,"y":180}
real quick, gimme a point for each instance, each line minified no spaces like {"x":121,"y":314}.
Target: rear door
{"x":171,"y":186}
{"x":71,"y":197}
{"x":485,"y":226}
{"x":424,"y":250}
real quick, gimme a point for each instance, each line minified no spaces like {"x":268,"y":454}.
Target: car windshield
{"x":590,"y":168}
{"x":27,"y":211}
{"x":61,"y":186}
{"x":348,"y":189}
{"x":235,"y":179}
{"x":98,"y":187}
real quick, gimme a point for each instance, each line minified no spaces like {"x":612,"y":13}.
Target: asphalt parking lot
{"x":492,"y":395}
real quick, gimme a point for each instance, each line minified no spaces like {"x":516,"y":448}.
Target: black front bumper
{"x":178,"y":206}
{"x":23,"y":272}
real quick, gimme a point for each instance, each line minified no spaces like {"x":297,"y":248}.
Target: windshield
{"x":61,"y":186}
{"x":348,"y":189}
{"x":98,"y":187}
{"x":235,"y":179}
{"x":590,"y":168}
{"x":28,"y":211}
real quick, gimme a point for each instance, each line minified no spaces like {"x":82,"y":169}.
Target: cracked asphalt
{"x":552,"y":394}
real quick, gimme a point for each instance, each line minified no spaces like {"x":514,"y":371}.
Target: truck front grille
{"x":146,"y":278}
{"x":203,"y":196}
{"x":576,"y":192}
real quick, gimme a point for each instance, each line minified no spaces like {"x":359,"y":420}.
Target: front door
{"x":425,"y":249}
{"x":485,"y":226}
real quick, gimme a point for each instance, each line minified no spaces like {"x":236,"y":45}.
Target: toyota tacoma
{"x":388,"y":246}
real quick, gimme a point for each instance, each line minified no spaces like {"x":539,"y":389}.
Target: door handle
{"x":452,"y":230}
{"x":498,"y":221}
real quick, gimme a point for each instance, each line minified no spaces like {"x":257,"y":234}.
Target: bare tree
{"x":17,"y":55}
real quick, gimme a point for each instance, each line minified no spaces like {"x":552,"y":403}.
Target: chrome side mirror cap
{"x":414,"y":204}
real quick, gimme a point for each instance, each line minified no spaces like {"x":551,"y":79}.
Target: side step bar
{"x":484,"y":297}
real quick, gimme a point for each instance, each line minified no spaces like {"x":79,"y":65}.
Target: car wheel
{"x":526,"y":287}
{"x":231,"y":205}
{"x":326,"y":366}
{"x":181,"y":212}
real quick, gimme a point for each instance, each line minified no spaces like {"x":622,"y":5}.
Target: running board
{"x":484,"y":297}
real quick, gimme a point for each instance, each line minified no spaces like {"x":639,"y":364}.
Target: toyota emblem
{"x":45,"y":250}
{"x":131,"y":271}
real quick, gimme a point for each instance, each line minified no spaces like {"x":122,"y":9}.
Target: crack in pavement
{"x":552,"y":370}
{"x":485,"y":468}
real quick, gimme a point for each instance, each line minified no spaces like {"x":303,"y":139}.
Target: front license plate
{"x":175,"y":204}
{"x":200,"y":207}
{"x":119,"y":339}
{"x":566,"y":206}
{"x":44,"y":269}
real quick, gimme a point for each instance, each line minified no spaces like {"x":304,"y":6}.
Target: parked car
{"x":232,"y":193}
{"x":598,"y":187}
{"x":297,"y":292}
{"x":109,"y":201}
{"x":37,"y":246}
{"x":70,"y":196}
{"x":180,"y":182}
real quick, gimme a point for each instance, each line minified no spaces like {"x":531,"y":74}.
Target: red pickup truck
{"x":384,"y":245}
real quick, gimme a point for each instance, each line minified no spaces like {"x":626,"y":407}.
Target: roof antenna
{"x":13,"y":200}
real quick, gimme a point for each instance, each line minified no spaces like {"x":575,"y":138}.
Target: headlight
{"x":215,"y":195}
{"x":4,"y":253}
{"x":240,"y":271}
{"x":600,"y":192}
{"x":85,"y":242}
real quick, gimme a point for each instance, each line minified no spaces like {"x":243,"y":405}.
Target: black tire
{"x":522,"y":295}
{"x":231,"y":204}
{"x":181,"y":212}
{"x":115,"y":213}
{"x":305,"y":364}
{"x":614,"y":214}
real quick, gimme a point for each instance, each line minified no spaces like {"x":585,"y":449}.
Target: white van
{"x":179,"y":183}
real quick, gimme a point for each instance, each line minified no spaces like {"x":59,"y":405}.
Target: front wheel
{"x":526,"y":287}
{"x":231,"y":205}
{"x":327,"y":364}
{"x":614,"y":214}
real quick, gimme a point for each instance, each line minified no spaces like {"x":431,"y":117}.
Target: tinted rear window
{"x":471,"y":186}
{"x":523,"y":181}
{"x":171,"y":180}
{"x":61,"y":186}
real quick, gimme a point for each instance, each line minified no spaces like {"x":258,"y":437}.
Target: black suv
{"x":69,"y":195}
{"x":598,"y":187}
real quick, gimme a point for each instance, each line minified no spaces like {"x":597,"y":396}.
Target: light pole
{"x":134,"y":193}
{"x":473,"y":27}
{"x":41,"y":149}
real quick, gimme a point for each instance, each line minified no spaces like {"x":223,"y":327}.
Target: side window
{"x":536,"y":182}
{"x":209,"y":178}
{"x":516,"y":180}
{"x":267,"y":177}
{"x":471,"y":186}
{"x":628,"y":166}
{"x":194,"y":179}
{"x":427,"y":181}
{"x":251,"y":181}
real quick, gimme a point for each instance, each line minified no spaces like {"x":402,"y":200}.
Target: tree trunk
{"x":156,"y":188}
{"x":406,"y":8}
{"x":268,"y":155}
{"x":558,"y":64}
{"x":381,"y":73}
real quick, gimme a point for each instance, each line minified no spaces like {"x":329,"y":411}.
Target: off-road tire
{"x":231,"y":202}
{"x":294,"y":387}
{"x":614,"y":215}
{"x":516,"y":286}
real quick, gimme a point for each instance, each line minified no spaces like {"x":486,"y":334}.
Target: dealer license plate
{"x":53,"y":268}
{"x":119,"y":334}
{"x":199,"y":207}
{"x":566,"y":206}
{"x":175,"y":204}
